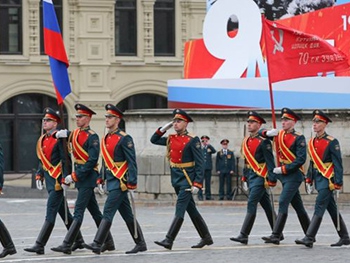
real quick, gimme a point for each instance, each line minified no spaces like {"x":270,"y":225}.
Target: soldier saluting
{"x":326,"y":170}
{"x":186,"y":165}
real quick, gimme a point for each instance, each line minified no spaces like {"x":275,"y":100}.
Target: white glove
{"x":277,"y":170}
{"x":39,"y":185}
{"x":61,"y":134}
{"x":272,"y":133}
{"x":309,"y":189}
{"x":337,"y":192}
{"x":101,"y":189}
{"x":194,"y":190}
{"x":245,"y":186}
{"x":68,"y":179}
{"x":65,"y":187}
{"x":166,"y":126}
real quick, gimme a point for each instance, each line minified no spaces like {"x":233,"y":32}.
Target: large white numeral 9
{"x":236,"y":51}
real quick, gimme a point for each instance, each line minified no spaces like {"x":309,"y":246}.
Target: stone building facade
{"x":97,"y":72}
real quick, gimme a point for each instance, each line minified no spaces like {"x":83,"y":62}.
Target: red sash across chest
{"x":288,"y":140}
{"x":79,"y":139}
{"x":177,"y":144}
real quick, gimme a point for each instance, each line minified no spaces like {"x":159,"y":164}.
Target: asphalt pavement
{"x":24,"y":218}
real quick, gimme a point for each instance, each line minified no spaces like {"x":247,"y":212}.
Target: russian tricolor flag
{"x":54,"y":48}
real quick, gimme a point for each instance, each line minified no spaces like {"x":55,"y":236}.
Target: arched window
{"x":20,"y":128}
{"x":142,"y":101}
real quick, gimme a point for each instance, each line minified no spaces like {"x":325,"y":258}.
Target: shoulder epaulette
{"x":92,"y":132}
{"x":331,"y":138}
{"x":123,"y":133}
{"x":297,"y":133}
{"x":262,"y":138}
{"x":191,"y":135}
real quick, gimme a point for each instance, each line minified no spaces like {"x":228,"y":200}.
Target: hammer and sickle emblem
{"x":278,"y":45}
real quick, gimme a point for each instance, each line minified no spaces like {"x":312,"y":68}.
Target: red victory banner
{"x":291,"y":53}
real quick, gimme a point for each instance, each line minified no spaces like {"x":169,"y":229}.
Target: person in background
{"x":187,"y":168}
{"x":5,"y":237}
{"x":326,"y":170}
{"x":225,"y":168}
{"x":208,"y":150}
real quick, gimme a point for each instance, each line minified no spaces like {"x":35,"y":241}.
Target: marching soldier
{"x":52,"y":165}
{"x":120,"y":170}
{"x":86,"y":150}
{"x":186,"y":165}
{"x":225,"y":168}
{"x":259,"y":165}
{"x":326,"y":170}
{"x":5,"y":237}
{"x":208,"y":150}
{"x":292,"y":156}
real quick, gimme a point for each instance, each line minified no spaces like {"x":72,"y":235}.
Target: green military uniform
{"x":5,"y":237}
{"x":86,"y":150}
{"x":226,"y":165}
{"x":292,"y":156}
{"x":53,"y":165}
{"x":120,"y":172}
{"x":186,"y":165}
{"x":326,"y":170}
{"x":259,"y":164}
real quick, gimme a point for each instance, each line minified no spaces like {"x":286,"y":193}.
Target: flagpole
{"x":67,"y":166}
{"x":271,"y":92}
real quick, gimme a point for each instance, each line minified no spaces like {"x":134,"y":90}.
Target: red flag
{"x":293,"y":54}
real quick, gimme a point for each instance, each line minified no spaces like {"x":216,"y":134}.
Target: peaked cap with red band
{"x":181,"y":115}
{"x":254,"y":116}
{"x":113,"y":111}
{"x":51,"y":115}
{"x":289,"y":114}
{"x":224,"y":141}
{"x":321,"y":116}
{"x":82,"y":110}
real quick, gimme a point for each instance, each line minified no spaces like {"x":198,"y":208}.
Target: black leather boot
{"x":311,"y":232}
{"x":100,"y":237}
{"x":304,"y":222}
{"x":79,"y":242}
{"x":108,"y":245}
{"x":66,"y":246}
{"x":343,"y":233}
{"x":39,"y":246}
{"x":172,"y":233}
{"x":275,"y":238}
{"x":139,"y":240}
{"x":6,"y":241}
{"x":203,"y":231}
{"x":245,"y":230}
